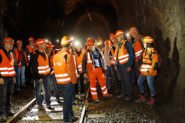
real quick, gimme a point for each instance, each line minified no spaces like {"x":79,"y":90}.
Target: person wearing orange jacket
{"x":124,"y":59}
{"x":148,"y":70}
{"x":40,"y":70}
{"x":138,"y":50}
{"x":7,"y":79}
{"x":50,"y":54}
{"x":65,"y":73}
{"x":79,"y":52}
{"x":93,"y":66}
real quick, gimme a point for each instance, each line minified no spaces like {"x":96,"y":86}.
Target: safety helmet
{"x":18,"y":42}
{"x":65,"y":41}
{"x":8,"y":40}
{"x":49,"y":45}
{"x":119,"y":32}
{"x":90,"y":41}
{"x":107,"y":42}
{"x":148,"y":39}
{"x":30,"y":39}
{"x":112,"y":36}
{"x":40,"y":41}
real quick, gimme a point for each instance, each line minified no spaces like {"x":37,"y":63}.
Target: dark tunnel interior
{"x":162,"y":19}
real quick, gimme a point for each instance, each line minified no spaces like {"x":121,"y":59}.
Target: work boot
{"x":40,"y":107}
{"x":9,"y":113}
{"x":127,"y":98}
{"x":96,"y":100}
{"x":140,"y":99}
{"x":151,"y":101}
{"x":108,"y":96}
{"x":3,"y":118}
{"x":74,"y":118}
{"x":48,"y":107}
{"x":119,"y":96}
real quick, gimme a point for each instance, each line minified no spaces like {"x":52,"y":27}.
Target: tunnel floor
{"x":113,"y":110}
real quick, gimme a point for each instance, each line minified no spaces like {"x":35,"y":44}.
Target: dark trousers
{"x":67,"y":92}
{"x":6,"y":92}
{"x":125,"y":78}
{"x":80,"y":87}
{"x":46,"y":84}
{"x":53,"y":81}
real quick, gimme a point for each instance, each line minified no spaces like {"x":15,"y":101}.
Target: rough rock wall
{"x":164,"y":20}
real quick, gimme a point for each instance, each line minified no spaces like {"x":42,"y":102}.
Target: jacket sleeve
{"x":131,"y":54}
{"x":34,"y":66}
{"x":71,"y":69}
{"x":84,"y":63}
{"x":155,"y":61}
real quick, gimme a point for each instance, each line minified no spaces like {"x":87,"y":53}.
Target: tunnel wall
{"x":164,"y":20}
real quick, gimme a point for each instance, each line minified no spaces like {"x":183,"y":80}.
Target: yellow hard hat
{"x":148,"y":39}
{"x":65,"y":40}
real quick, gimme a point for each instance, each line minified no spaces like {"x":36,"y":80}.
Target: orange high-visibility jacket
{"x":79,"y":60}
{"x":7,"y":65}
{"x":17,"y":55}
{"x":43,"y":65}
{"x":149,"y":62}
{"x":64,"y":67}
{"x":137,"y":49}
{"x":123,"y":55}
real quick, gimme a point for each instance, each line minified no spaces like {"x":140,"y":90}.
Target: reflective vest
{"x":60,"y":68}
{"x":148,"y":64}
{"x":43,"y":65}
{"x":79,"y":61}
{"x":7,"y":65}
{"x":122,"y":53}
{"x":137,"y":49}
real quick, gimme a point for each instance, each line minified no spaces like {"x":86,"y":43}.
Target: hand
{"x":85,"y":76}
{"x":14,"y":80}
{"x":129,"y":69}
{"x":40,"y":81}
{"x":112,"y":62}
{"x":1,"y":81}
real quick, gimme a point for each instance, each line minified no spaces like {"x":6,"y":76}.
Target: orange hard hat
{"x":107,"y":42}
{"x":49,"y":45}
{"x":30,"y":39}
{"x":112,"y":36}
{"x":65,"y":40}
{"x":90,"y":41}
{"x":40,"y":41}
{"x":119,"y":32}
{"x":148,"y":39}
{"x":8,"y":40}
{"x":19,"y":41}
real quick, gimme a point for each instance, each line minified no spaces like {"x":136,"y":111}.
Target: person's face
{"x":20,"y":44}
{"x":91,"y":48}
{"x":120,"y":38}
{"x":9,"y":46}
{"x":78,"y":49}
{"x":42,"y":46}
{"x":31,"y":42}
{"x":145,"y":45}
{"x":133,"y":32}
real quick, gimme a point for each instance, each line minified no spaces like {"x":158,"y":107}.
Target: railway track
{"x":30,"y":114}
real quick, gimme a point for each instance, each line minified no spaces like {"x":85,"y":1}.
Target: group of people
{"x":122,"y":61}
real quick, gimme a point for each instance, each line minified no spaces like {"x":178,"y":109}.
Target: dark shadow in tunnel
{"x":167,"y":77}
{"x":173,"y":74}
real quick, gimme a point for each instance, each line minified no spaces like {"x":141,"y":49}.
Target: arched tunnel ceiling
{"x":54,"y":18}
